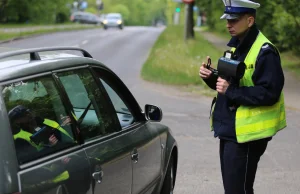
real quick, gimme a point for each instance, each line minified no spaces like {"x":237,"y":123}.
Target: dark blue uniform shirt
{"x":268,"y":79}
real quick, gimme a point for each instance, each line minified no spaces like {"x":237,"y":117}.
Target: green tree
{"x":140,"y":12}
{"x":135,"y":12}
{"x":279,"y":20}
{"x":32,"y":11}
{"x":123,"y":9}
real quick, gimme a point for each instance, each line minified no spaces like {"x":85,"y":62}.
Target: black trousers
{"x":239,"y":164}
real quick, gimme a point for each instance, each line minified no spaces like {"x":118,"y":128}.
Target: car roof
{"x":26,"y":62}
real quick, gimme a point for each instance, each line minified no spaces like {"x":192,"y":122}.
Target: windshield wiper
{"x":84,"y":113}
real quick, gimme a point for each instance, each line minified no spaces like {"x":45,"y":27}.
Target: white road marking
{"x":84,"y":42}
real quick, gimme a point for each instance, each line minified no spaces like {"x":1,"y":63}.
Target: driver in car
{"x":26,"y":125}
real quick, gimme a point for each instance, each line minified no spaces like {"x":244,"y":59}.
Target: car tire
{"x":168,"y":185}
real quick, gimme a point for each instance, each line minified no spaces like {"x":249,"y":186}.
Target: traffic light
{"x":177,"y":9}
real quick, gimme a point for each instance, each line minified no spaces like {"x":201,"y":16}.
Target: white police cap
{"x":233,"y":8}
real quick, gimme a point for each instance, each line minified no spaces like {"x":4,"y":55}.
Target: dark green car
{"x":71,"y":126}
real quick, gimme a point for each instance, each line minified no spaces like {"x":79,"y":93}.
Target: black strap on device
{"x":214,"y":71}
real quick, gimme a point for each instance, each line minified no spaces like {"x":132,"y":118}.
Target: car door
{"x":51,"y":167}
{"x":145,"y":142}
{"x":106,"y":146}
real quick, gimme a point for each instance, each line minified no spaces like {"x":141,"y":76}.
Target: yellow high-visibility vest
{"x":26,"y":135}
{"x":55,"y":125}
{"x":258,"y":122}
{"x":62,"y":177}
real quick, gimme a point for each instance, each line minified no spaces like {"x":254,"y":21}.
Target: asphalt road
{"x":186,"y":114}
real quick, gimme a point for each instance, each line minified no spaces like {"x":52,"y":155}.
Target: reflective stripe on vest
{"x":258,"y":122}
{"x":59,"y":178}
{"x":74,"y":116}
{"x":62,"y":177}
{"x":55,"y":125}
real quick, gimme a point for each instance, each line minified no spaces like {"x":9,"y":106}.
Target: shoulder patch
{"x":265,"y":46}
{"x":268,"y":48}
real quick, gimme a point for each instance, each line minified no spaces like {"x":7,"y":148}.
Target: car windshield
{"x":113,"y":17}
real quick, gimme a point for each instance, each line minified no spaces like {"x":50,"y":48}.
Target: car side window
{"x":124,"y":114}
{"x":38,"y":118}
{"x":90,"y":107}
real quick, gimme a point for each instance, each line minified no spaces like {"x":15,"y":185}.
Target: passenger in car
{"x":25,"y":125}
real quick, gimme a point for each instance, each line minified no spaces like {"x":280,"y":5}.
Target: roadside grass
{"x":12,"y":25}
{"x":19,"y":33}
{"x":173,"y":61}
{"x":226,"y":36}
{"x":18,"y":25}
{"x":291,"y":62}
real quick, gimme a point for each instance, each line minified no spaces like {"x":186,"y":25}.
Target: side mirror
{"x":153,"y":113}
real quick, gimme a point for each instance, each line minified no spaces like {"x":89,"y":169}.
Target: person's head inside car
{"x":22,"y":119}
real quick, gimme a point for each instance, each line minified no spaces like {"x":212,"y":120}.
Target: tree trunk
{"x":189,"y":21}
{"x":2,"y":7}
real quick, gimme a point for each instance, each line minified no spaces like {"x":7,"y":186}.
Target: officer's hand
{"x":204,"y":73}
{"x":66,"y":120}
{"x":53,"y":140}
{"x":222,"y":85}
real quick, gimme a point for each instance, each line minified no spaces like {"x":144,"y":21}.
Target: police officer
{"x":247,"y":112}
{"x":25,"y":124}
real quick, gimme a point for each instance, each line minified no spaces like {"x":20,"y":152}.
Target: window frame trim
{"x":49,"y":158}
{"x":128,"y":129}
{"x":106,"y":96}
{"x":68,"y":106}
{"x":25,"y":78}
{"x":96,"y":139}
{"x":135,"y":109}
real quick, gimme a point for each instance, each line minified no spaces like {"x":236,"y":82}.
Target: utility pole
{"x":176,"y":17}
{"x":75,"y":6}
{"x":100,"y":5}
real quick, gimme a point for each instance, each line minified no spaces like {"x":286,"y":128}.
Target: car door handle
{"x":98,"y":176}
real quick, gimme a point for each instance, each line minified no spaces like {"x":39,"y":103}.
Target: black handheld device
{"x":42,"y":136}
{"x":228,"y":68}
